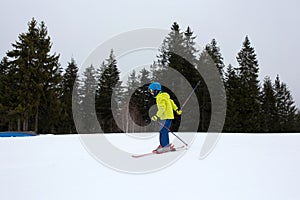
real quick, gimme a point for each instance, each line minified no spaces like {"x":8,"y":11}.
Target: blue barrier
{"x":16,"y":134}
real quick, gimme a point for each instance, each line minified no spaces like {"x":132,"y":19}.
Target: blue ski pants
{"x":164,"y":132}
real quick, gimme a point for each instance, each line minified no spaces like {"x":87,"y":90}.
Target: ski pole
{"x":188,"y":98}
{"x":172,"y":133}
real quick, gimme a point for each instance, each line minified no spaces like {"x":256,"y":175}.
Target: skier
{"x":165,"y":108}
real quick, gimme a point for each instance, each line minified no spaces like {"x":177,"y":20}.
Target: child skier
{"x":165,"y":108}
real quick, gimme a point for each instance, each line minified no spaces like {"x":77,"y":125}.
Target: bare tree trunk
{"x":10,"y":125}
{"x":36,"y":124}
{"x":25,"y":122}
{"x":19,"y":123}
{"x":127,"y":121}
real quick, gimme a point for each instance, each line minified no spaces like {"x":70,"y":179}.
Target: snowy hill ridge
{"x":241,"y":166}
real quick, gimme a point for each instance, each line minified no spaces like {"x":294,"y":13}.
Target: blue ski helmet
{"x":154,"y":88}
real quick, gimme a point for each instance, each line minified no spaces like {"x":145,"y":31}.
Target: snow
{"x":241,"y":166}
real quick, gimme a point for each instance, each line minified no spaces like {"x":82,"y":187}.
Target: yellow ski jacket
{"x":165,"y":106}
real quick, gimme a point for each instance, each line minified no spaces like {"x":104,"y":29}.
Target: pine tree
{"x":36,"y":74}
{"x":189,"y":46}
{"x":69,"y":81}
{"x":249,"y":107}
{"x":86,"y":108}
{"x":214,"y":52}
{"x":178,"y":54}
{"x":205,"y":64}
{"x":133,"y":102}
{"x":10,"y":108}
{"x":3,"y":80}
{"x":5,"y":92}
{"x":285,"y":106}
{"x":144,"y":76}
{"x":109,"y":79}
{"x":232,"y":86}
{"x":171,"y":52}
{"x":211,"y":66}
{"x":51,"y":72}
{"x":154,"y":71}
{"x":268,"y":106}
{"x":144,"y":98}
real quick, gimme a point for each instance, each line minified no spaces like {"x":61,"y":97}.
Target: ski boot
{"x":160,"y":149}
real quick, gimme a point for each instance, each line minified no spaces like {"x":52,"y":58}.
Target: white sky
{"x":78,"y":27}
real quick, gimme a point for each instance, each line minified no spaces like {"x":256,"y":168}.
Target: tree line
{"x":36,"y":93}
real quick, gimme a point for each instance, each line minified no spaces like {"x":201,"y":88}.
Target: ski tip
{"x":135,"y":156}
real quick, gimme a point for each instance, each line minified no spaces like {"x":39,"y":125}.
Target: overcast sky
{"x":78,"y":27}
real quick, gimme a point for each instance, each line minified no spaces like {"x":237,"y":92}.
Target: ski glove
{"x":154,"y":118}
{"x":178,"y":112}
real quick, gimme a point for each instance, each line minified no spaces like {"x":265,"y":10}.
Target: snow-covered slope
{"x":241,"y":167}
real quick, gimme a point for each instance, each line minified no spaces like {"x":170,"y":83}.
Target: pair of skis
{"x":183,"y":147}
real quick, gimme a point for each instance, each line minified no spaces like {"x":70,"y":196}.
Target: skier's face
{"x":151,"y":92}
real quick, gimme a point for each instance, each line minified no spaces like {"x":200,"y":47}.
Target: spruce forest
{"x":36,"y":91}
